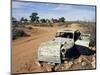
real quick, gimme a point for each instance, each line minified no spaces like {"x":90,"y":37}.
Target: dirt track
{"x":24,"y":50}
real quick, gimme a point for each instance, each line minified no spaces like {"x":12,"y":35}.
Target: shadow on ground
{"x":78,"y":50}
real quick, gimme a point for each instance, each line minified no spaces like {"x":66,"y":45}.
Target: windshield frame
{"x":63,"y":35}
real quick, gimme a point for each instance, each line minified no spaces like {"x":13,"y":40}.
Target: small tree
{"x":54,"y":20}
{"x":22,"y":20}
{"x":14,"y":22}
{"x":48,"y":22}
{"x":62,"y":19}
{"x":43,"y":20}
{"x":25,"y":20}
{"x":34,"y":17}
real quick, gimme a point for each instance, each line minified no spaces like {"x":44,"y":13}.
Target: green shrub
{"x":18,"y":33}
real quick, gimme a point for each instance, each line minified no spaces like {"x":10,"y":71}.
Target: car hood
{"x":50,"y":51}
{"x":56,"y":43}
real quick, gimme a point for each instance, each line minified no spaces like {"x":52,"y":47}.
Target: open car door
{"x":84,"y":40}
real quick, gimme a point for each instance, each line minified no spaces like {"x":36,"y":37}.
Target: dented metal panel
{"x":49,"y":53}
{"x":83,"y":40}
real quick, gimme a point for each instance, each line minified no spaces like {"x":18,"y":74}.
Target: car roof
{"x":66,"y":30}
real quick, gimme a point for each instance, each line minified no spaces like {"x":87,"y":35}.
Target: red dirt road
{"x":24,"y":50}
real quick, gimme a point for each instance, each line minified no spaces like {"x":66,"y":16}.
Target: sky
{"x":50,"y":10}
